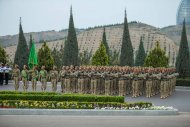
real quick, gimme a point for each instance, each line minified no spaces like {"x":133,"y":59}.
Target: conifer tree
{"x":100,"y":58}
{"x":71,"y":44}
{"x":21,"y":55}
{"x":30,"y":42}
{"x":57,"y":58}
{"x":141,"y":55}
{"x":183,"y":61}
{"x":3,"y":55}
{"x":45,"y":57}
{"x":104,"y":40}
{"x":126,"y":57}
{"x":156,"y":58}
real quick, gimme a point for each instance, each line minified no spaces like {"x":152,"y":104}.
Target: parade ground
{"x":180,"y":100}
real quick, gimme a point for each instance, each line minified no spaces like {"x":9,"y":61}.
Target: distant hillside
{"x":174,"y":32}
{"x":52,"y":35}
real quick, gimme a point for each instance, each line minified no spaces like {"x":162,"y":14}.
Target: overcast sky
{"x":42,"y":15}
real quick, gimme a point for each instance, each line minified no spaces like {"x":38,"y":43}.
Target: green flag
{"x":33,"y":58}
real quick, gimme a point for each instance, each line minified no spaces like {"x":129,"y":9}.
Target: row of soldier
{"x":103,"y":80}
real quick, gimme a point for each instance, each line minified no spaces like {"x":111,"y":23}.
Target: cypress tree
{"x":104,"y":40}
{"x":71,"y":44}
{"x":100,"y":58}
{"x":21,"y":55}
{"x":126,"y":57}
{"x":183,"y":61}
{"x":30,"y":42}
{"x":141,"y":55}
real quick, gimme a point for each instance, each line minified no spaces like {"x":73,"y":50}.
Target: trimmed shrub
{"x":183,"y":82}
{"x":62,"y":97}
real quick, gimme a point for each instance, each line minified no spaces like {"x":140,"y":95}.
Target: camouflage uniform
{"x":149,"y":85}
{"x":43,"y":78}
{"x":34,"y":74}
{"x":24,"y":75}
{"x":62,"y":78}
{"x":54,"y":78}
{"x":16,"y":75}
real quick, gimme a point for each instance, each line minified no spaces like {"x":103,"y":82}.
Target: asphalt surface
{"x":180,"y":98}
{"x":182,"y":120}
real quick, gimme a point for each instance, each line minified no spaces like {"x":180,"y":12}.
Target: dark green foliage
{"x":156,"y":58}
{"x":57,"y":57}
{"x":85,"y":57}
{"x":114,"y":58}
{"x":22,"y":52}
{"x":32,"y":93}
{"x":71,"y":45}
{"x":126,"y":57}
{"x":141,"y":55}
{"x":104,"y":40}
{"x":30,"y":43}
{"x":62,"y":97}
{"x":69,"y":105}
{"x":3,"y":55}
{"x":183,"y":60}
{"x":45,"y":57}
{"x":100,"y":58}
{"x":183,"y":82}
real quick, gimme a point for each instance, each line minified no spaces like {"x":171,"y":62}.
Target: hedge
{"x":39,"y":93}
{"x":183,"y":82}
{"x":69,"y":105}
{"x":62,"y":97}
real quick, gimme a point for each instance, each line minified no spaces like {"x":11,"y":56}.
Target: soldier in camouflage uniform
{"x":34,"y":75}
{"x":81,"y":81}
{"x":16,"y":76}
{"x":43,"y":78}
{"x":24,"y":76}
{"x":108,"y":82}
{"x":54,"y":78}
{"x":135,"y":84}
{"x":62,"y":79}
{"x":122,"y":84}
{"x":67,"y":79}
{"x":149,"y":84}
{"x":73,"y":73}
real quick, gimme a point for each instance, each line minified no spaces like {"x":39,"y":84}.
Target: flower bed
{"x":70,"y":105}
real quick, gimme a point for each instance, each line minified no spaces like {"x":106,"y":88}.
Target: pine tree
{"x":183,"y":61}
{"x":85,"y":57}
{"x":126,"y":57}
{"x":100,"y":58}
{"x":30,"y":42}
{"x":45,"y":57}
{"x":156,"y":58}
{"x":3,"y":55}
{"x":104,"y":40}
{"x":71,"y":44}
{"x":57,"y":58}
{"x":21,"y":55}
{"x":141,"y":55}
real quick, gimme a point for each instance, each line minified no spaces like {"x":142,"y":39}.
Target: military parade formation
{"x":101,"y":80}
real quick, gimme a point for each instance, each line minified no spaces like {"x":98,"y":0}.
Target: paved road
{"x":180,"y":99}
{"x":182,"y":120}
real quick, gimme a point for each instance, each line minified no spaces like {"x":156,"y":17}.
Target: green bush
{"x":183,"y":82}
{"x":62,"y":97}
{"x":69,"y":105}
{"x":33,"y":93}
